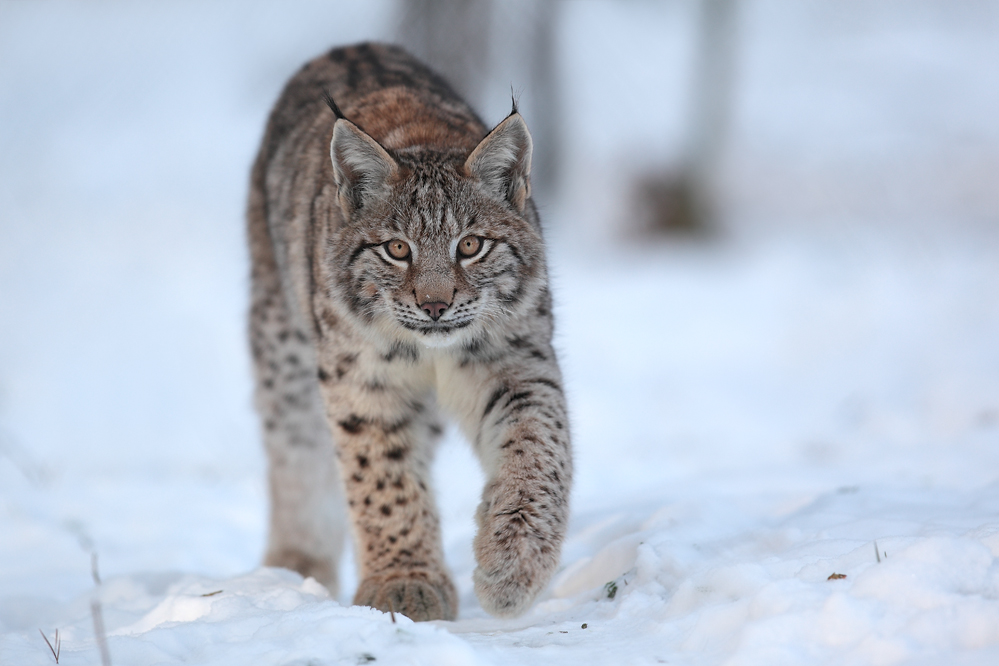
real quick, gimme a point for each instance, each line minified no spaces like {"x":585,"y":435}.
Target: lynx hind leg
{"x":307,"y":514}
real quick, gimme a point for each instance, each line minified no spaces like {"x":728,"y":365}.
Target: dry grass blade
{"x":58,"y":644}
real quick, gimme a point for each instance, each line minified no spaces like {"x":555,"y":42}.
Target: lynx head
{"x":436,"y":245}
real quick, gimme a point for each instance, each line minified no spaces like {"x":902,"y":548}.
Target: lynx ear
{"x":502,"y":161}
{"x":361,"y":167}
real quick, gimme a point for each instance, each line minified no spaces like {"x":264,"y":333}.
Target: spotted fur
{"x":354,"y":374}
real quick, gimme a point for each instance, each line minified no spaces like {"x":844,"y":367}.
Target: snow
{"x":750,"y":416}
{"x":717,"y":494}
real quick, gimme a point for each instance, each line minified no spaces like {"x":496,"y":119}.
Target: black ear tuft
{"x":513,"y":101}
{"x":332,"y":104}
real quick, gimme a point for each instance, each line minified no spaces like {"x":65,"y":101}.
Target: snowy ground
{"x":749,"y":421}
{"x":750,"y":416}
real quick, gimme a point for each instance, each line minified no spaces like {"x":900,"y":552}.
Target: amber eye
{"x":397,"y":249}
{"x":469,"y":246}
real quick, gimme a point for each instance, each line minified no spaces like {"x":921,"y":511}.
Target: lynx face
{"x":435,"y":250}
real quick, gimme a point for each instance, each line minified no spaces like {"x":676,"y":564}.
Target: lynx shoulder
{"x":398,"y":278}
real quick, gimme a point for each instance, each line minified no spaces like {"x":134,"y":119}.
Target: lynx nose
{"x":435,"y":310}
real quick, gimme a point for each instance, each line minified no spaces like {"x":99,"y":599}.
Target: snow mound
{"x":268,"y":616}
{"x":854,"y":576}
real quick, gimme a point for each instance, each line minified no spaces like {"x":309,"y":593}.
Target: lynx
{"x":398,"y":275}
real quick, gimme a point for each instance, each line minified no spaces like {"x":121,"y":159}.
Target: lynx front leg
{"x":524,"y":443}
{"x":385,"y":462}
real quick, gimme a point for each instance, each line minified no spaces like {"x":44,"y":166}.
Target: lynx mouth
{"x":437,"y":328}
{"x":439,"y":334}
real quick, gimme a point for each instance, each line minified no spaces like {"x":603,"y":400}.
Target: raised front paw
{"x":517,"y":548}
{"x":418,"y":596}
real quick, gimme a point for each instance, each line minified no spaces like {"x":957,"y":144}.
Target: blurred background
{"x":793,"y":206}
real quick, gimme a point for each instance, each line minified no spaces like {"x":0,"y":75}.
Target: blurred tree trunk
{"x":544,"y":110}
{"x":453,"y":37}
{"x":686,"y":201}
{"x":712,"y":102}
{"x":482,"y":46}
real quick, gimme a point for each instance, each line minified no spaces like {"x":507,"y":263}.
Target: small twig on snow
{"x":99,"y":633}
{"x":876,"y":553}
{"x":93,"y":568}
{"x":95,"y":611}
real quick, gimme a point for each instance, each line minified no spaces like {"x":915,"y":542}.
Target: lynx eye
{"x":469,"y":246}
{"x":397,"y":248}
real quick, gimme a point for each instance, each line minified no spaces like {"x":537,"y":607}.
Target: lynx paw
{"x":517,"y":549}
{"x":415,"y":596}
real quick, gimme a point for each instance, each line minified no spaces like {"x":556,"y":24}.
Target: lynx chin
{"x":399,"y":276}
